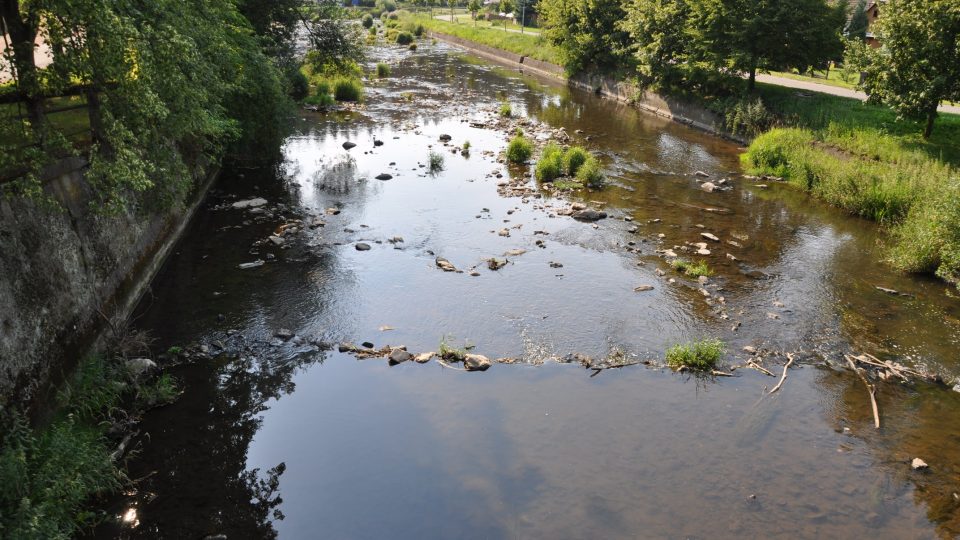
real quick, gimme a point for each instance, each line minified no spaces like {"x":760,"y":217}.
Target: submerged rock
{"x":360,"y":246}
{"x":709,"y":187}
{"x":710,"y":236}
{"x":589,"y":215}
{"x":423,"y":358}
{"x":348,"y":145}
{"x":918,"y":464}
{"x":445,"y":138}
{"x":254,"y":264}
{"x":495,"y":263}
{"x":383,"y":176}
{"x":643,"y":288}
{"x":476,"y":362}
{"x":250,"y":203}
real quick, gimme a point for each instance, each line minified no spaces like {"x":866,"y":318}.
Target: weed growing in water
{"x":505,"y":109}
{"x":692,"y":269}
{"x":697,"y":356}
{"x":519,"y":150}
{"x":435,"y":162}
{"x":383,"y":70}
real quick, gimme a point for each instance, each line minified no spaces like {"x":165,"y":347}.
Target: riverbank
{"x":883,"y":167}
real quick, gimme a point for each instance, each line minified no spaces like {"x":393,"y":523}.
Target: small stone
{"x":918,"y":464}
{"x":383,"y":176}
{"x":377,"y":142}
{"x":750,"y":349}
{"x":643,"y":288}
{"x":515,"y":252}
{"x":476,"y":362}
{"x":348,"y":145}
{"x":445,"y":138}
{"x":445,"y":265}
{"x":283,"y":333}
{"x":398,"y":356}
{"x":423,"y":358}
{"x":367,"y":344}
{"x":702,"y":174}
{"x":360,"y":246}
{"x":254,"y":264}
{"x":495,"y":263}
{"x":709,"y":187}
{"x":277,"y":241}
{"x":504,"y":232}
{"x":709,"y":236}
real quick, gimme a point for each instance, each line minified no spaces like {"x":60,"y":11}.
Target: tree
{"x":474,"y":7}
{"x":586,"y":31}
{"x":857,"y":27}
{"x":918,"y":65}
{"x":659,"y":44}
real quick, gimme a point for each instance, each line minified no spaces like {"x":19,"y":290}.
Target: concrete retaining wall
{"x":60,"y":268}
{"x":680,"y":111}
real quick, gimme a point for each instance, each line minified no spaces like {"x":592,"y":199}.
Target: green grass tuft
{"x":692,"y":269}
{"x":505,"y":109}
{"x":590,"y":173}
{"x":519,"y":150}
{"x":697,"y":356}
{"x":550,"y":165}
{"x":435,"y":162}
{"x":383,"y":70}
{"x":573,"y":158}
{"x":347,"y":89}
{"x":404,"y":38}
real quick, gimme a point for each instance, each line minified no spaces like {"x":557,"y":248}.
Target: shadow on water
{"x":280,"y":436}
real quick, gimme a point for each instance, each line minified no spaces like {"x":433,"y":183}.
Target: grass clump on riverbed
{"x":697,"y":356}
{"x":435,"y":162}
{"x":383,"y":70}
{"x":692,"y":269}
{"x":916,"y":197}
{"x":575,"y":162}
{"x":47,"y":475}
{"x":519,"y":150}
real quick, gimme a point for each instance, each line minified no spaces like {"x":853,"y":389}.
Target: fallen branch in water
{"x":870,"y":388}
{"x":784,"y":376}
{"x":444,"y":364}
{"x":718,"y":373}
{"x":758,"y":367}
{"x":598,"y":369}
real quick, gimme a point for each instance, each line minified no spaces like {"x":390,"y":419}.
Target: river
{"x":285,"y":436}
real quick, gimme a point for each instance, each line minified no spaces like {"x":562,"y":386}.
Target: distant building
{"x":873,"y":12}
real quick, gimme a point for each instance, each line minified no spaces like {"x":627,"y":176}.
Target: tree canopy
{"x":918,"y":65}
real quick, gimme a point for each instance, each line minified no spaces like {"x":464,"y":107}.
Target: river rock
{"x":140,"y":367}
{"x":495,"y":264}
{"x":643,"y":288}
{"x":445,"y":265}
{"x":504,"y":232}
{"x":283,"y":333}
{"x":254,"y":264}
{"x":377,"y":142}
{"x":702,"y":174}
{"x":709,"y":236}
{"x":360,"y":246}
{"x":250,"y":203}
{"x":445,"y":138}
{"x":277,"y":241}
{"x":423,"y":358}
{"x":515,"y":252}
{"x":398,"y":356}
{"x":918,"y":464}
{"x":589,"y":215}
{"x":348,"y":145}
{"x":383,"y":176}
{"x":709,"y":187}
{"x":476,"y":362}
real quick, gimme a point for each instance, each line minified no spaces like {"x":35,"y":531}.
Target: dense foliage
{"x":587,"y":31}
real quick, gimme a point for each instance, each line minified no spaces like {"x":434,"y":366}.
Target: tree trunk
{"x":752,"y":84}
{"x":931,"y":117}
{"x":22,"y":35}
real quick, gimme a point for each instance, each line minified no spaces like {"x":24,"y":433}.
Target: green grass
{"x":435,"y":162}
{"x":448,"y":352}
{"x":573,"y":158}
{"x":383,"y":70}
{"x":505,"y":109}
{"x":347,"y":89}
{"x":835,"y":77}
{"x":404,"y":38}
{"x":697,"y":355}
{"x":531,"y":45}
{"x":692,"y":269}
{"x":916,"y":197}
{"x":550,"y":165}
{"x":519,"y":150}
{"x":590,"y":173}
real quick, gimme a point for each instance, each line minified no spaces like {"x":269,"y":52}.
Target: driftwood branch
{"x":870,"y":388}
{"x":758,"y":367}
{"x":784,"y":376}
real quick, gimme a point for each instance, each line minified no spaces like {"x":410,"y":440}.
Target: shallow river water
{"x":280,"y":436}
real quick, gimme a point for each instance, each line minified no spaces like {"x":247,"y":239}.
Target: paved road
{"x":833,"y":90}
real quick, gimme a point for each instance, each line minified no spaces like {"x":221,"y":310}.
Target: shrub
{"x":322,"y":100}
{"x":418,"y":30}
{"x":505,"y":109}
{"x":698,"y":355}
{"x":573,"y":158}
{"x":388,"y":5}
{"x":692,"y":269}
{"x":383,"y":70}
{"x":590,"y":173}
{"x":412,"y":47}
{"x":435,"y":162}
{"x":550,"y":165}
{"x":347,"y":89}
{"x":748,"y":117}
{"x":367,"y":21}
{"x":298,"y":85}
{"x":466,"y":146}
{"x":404,"y":38}
{"x":519,"y":150}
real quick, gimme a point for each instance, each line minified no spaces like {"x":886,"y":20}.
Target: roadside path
{"x":833,"y":90}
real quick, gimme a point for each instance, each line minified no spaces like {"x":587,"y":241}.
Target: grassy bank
{"x":878,"y":177}
{"x":530,"y":45}
{"x":50,"y":474}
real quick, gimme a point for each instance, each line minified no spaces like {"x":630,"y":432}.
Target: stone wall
{"x":60,"y":268}
{"x":690,"y":114}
